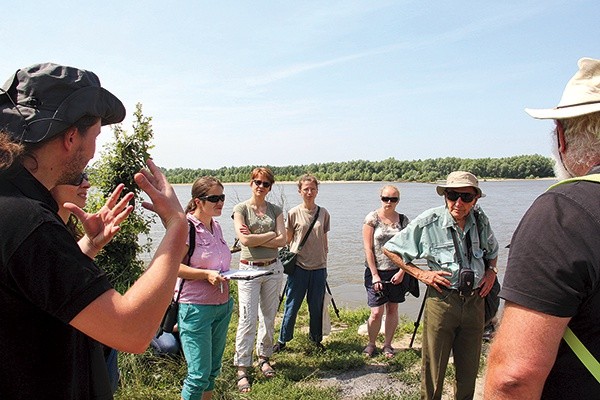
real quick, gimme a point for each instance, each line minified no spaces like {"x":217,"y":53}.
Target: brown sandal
{"x":244,"y":387}
{"x":388,"y":351}
{"x":370,"y":350}
{"x":268,"y":372}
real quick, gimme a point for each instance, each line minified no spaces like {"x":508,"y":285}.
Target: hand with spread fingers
{"x":164,"y":201}
{"x":435,"y":279}
{"x":102,"y":226}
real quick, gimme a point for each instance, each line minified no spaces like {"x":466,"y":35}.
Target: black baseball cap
{"x":43,"y":100}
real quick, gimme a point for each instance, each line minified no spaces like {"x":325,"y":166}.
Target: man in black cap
{"x":56,"y":305}
{"x":548,"y":344}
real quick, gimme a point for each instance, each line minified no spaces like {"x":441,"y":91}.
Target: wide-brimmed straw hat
{"x":42,"y":100}
{"x":581,"y":95}
{"x":460,"y":179}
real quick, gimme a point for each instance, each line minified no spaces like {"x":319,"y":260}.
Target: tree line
{"x":391,"y":169}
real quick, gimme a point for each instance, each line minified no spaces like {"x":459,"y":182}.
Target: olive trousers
{"x":451,"y":323}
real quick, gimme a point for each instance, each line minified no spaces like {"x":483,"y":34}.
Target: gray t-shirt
{"x":314,"y":253}
{"x":264,"y":223}
{"x":383,"y":232}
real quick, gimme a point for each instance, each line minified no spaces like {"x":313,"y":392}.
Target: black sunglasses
{"x":215,"y":198}
{"x":265,"y":184}
{"x":465,"y":197}
{"x":387,"y":199}
{"x":82,"y":177}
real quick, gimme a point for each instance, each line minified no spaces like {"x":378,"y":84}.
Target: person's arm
{"x":212,"y":276}
{"x":281,"y":237}
{"x":250,"y":239}
{"x":488,"y":279}
{"x":367,"y":234}
{"x":522,"y":353}
{"x":434,"y":279}
{"x":128,"y":322}
{"x":103,"y":225}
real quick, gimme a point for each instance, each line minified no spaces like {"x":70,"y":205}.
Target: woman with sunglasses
{"x":260,"y":229}
{"x":205,"y":305}
{"x":383,"y":278}
{"x":77,"y":194}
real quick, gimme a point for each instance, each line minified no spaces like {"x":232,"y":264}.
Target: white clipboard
{"x":245,"y":274}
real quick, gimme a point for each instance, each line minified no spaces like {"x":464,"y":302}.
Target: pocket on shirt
{"x":443,"y":254}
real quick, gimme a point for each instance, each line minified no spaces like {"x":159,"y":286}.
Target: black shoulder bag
{"x":492,"y":301}
{"x":170,"y":319}
{"x":287,"y":257}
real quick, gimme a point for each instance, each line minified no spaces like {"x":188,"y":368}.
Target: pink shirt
{"x":211,"y":252}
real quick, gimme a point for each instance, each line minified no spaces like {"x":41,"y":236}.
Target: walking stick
{"x":281,"y":296}
{"x":335,"y":309}
{"x":418,"y":321}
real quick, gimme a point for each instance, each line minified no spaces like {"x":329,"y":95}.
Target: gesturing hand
{"x":103,"y":225}
{"x":164,"y":201}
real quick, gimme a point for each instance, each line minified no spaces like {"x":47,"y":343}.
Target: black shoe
{"x":279,"y":346}
{"x":319,"y":346}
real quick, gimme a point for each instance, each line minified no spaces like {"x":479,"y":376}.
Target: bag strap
{"x":310,"y":228}
{"x":192,"y":246}
{"x":486,"y":262}
{"x":584,"y":355}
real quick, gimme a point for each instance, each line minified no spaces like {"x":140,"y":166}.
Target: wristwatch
{"x":495,"y":269}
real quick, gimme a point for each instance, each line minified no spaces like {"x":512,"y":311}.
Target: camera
{"x":466,"y":282}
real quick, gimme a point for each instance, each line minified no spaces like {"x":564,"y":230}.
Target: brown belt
{"x":258,"y":263}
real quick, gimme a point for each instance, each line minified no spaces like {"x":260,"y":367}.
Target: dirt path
{"x":360,"y":382}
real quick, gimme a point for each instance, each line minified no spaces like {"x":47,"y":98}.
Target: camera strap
{"x":461,"y":263}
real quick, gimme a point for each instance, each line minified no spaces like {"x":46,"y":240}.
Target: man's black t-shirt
{"x":45,"y":281}
{"x":554,"y":268}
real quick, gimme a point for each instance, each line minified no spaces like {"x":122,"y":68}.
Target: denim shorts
{"x":390,"y":293}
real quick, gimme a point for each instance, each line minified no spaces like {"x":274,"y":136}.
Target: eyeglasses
{"x":265,"y":184}
{"x":465,"y":197}
{"x":215,"y":198}
{"x":387,"y":199}
{"x":82,"y":177}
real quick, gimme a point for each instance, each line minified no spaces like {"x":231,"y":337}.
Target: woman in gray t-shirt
{"x":383,"y":278}
{"x":260,"y":228}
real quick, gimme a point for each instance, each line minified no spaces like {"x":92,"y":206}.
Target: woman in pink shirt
{"x":204,"y":304}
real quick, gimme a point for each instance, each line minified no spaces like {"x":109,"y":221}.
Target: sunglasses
{"x":387,"y":199}
{"x":82,"y":177}
{"x":465,"y":197}
{"x":265,"y":184}
{"x":215,"y":198}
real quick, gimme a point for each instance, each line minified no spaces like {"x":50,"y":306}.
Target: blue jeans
{"x":309,"y":283}
{"x":203,"y":333}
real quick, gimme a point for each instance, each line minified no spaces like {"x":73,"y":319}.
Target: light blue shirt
{"x":429,"y":237}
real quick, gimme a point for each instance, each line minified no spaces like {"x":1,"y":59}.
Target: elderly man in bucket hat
{"x":456,"y":240}
{"x":552,"y":282}
{"x":56,"y":305}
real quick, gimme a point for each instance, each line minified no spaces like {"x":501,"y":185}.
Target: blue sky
{"x":232,"y":83}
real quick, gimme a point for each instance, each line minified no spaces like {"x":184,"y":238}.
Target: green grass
{"x":298,"y":367}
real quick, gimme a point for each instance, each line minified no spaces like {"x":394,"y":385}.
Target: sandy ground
{"x":358,"y":383}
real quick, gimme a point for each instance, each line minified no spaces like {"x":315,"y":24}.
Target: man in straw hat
{"x":56,"y":305}
{"x":552,"y":280}
{"x":456,"y":240}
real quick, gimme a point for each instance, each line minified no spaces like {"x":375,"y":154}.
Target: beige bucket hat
{"x":460,"y":179}
{"x":581,"y":95}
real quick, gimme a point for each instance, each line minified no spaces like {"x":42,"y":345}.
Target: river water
{"x":349,"y":202}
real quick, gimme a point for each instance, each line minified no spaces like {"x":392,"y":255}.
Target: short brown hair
{"x":266,"y":171}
